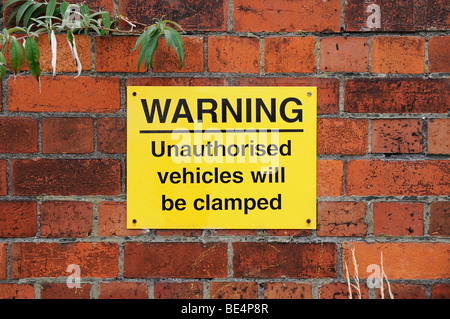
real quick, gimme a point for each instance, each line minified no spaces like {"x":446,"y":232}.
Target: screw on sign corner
{"x":134,"y":93}
{"x":308,"y":221}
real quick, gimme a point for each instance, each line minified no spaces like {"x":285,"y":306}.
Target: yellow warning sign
{"x":221,"y":157}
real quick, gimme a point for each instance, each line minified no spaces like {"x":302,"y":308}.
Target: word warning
{"x":221,"y":157}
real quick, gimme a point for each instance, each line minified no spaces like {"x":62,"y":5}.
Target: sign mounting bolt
{"x":309,"y":93}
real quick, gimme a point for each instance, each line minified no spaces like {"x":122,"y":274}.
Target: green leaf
{"x":147,"y":33}
{"x":22,"y":10}
{"x":63,"y":7}
{"x":9,"y":2}
{"x":2,"y":66}
{"x":174,"y":38}
{"x":32,"y":57}
{"x":106,"y":23}
{"x":16,"y":54}
{"x":29,"y":13}
{"x":12,"y":15}
{"x":148,"y":50}
{"x":50,"y":8}
{"x":84,"y":9}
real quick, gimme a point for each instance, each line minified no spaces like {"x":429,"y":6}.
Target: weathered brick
{"x":337,"y":290}
{"x":16,"y":291}
{"x":327,"y":89}
{"x":3,"y":178}
{"x":287,"y":290}
{"x":64,"y":94}
{"x":439,"y":136}
{"x":178,"y":290}
{"x":289,"y":55}
{"x":18,"y":219}
{"x":397,"y":95}
{"x":66,"y":219}
{"x":123,"y":290}
{"x":114,"y":54}
{"x":64,"y":59}
{"x":232,"y":54}
{"x":439,"y":54}
{"x":179,"y":232}
{"x":286,"y":15}
{"x":330,"y":177}
{"x":273,"y":260}
{"x":177,"y":82}
{"x":67,"y":135}
{"x":402,"y":291}
{"x":398,"y":55}
{"x":94,"y":259}
{"x":192,"y":15}
{"x":397,"y":136}
{"x":66,"y":177}
{"x":340,"y":54}
{"x":112,"y":220}
{"x":168,"y":61}
{"x":342,"y":136}
{"x":400,"y":260}
{"x":62,"y":291}
{"x":341,"y":219}
{"x":398,"y":178}
{"x":440,"y":219}
{"x":18,"y":135}
{"x":396,"y":15}
{"x":234,"y":290}
{"x":112,"y":135}
{"x":397,"y":219}
{"x":3,"y":260}
{"x":175,"y":260}
{"x":440,"y":291}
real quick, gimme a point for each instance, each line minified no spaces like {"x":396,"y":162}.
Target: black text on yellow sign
{"x":221,"y":157}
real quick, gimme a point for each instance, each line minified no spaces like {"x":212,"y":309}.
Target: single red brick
{"x":341,"y":219}
{"x":398,"y":178}
{"x":112,"y":220}
{"x":398,"y":55}
{"x":439,"y":136}
{"x":18,"y":219}
{"x":177,"y":82}
{"x":192,"y":15}
{"x":62,"y":291}
{"x":402,"y":291}
{"x":3,"y":260}
{"x":329,"y":178}
{"x":327,"y":89}
{"x":441,"y":291}
{"x":114,"y":54}
{"x":66,"y":219}
{"x":337,"y":290}
{"x":397,"y":219}
{"x":440,"y":219}
{"x":123,"y":290}
{"x":64,"y":59}
{"x":289,"y":55}
{"x":439,"y":54}
{"x":397,"y":15}
{"x":66,"y":177}
{"x":397,"y":136}
{"x":400,"y":260}
{"x":16,"y":291}
{"x":94,"y":259}
{"x":112,"y":135}
{"x":286,"y":15}
{"x":3,"y":178}
{"x":67,"y":135}
{"x":287,"y":290}
{"x":175,"y":260}
{"x":234,"y":290}
{"x":233,"y":54}
{"x":339,"y":54}
{"x":64,"y":94}
{"x":168,"y":61}
{"x":342,"y":136}
{"x":178,"y":290}
{"x":18,"y":135}
{"x":273,"y":260}
{"x":415,"y":95}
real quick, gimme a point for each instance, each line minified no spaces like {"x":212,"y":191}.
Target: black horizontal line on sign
{"x":220,"y":131}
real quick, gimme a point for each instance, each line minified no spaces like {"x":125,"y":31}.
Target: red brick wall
{"x":383,"y":155}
